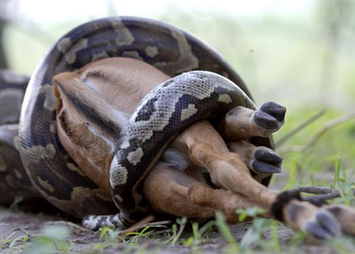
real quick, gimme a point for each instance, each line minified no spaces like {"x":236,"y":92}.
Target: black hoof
{"x":324,"y":227}
{"x":317,"y":231}
{"x":264,"y":168}
{"x":268,"y":156}
{"x":265,"y":120}
{"x":275,"y":110}
{"x":328,"y":221}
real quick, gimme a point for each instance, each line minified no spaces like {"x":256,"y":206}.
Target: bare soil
{"x":15,"y":225}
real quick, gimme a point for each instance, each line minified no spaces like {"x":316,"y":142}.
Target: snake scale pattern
{"x":203,"y":86}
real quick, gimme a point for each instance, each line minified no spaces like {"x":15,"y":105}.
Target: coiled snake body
{"x":164,"y":112}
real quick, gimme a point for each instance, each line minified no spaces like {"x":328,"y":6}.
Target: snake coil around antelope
{"x":203,"y":86}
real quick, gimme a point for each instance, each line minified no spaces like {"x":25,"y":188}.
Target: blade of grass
{"x":224,"y":230}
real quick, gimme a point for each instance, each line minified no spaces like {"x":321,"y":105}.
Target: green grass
{"x":54,"y":239}
{"x":334,"y":150}
{"x":286,"y":59}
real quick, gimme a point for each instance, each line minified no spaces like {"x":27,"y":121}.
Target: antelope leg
{"x":345,"y":216}
{"x":259,"y":159}
{"x":228,"y":171}
{"x":166,"y":190}
{"x":183,"y":193}
{"x":207,"y":149}
{"x":242,"y":123}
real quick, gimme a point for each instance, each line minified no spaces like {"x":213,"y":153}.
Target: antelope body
{"x":98,"y":99}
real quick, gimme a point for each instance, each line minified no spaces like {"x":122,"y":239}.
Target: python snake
{"x":203,"y":86}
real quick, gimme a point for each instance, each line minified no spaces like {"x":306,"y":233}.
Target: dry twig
{"x":69,"y":224}
{"x":328,"y":126}
{"x":144,"y":223}
{"x":304,"y":124}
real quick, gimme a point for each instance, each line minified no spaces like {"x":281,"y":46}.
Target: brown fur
{"x":206,"y":149}
{"x":233,"y":129}
{"x":111,"y":82}
{"x":112,"y":88}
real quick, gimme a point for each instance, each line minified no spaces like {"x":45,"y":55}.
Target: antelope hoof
{"x":270,"y":116}
{"x":266,"y":161}
{"x":274,"y":109}
{"x":325,"y":226}
{"x":346,"y":217}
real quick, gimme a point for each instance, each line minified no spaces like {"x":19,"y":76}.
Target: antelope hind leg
{"x":166,"y":190}
{"x":228,"y":171}
{"x":258,"y":159}
{"x":207,"y":149}
{"x":184,"y":193}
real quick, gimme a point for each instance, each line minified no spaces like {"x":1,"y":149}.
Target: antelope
{"x":113,"y":88}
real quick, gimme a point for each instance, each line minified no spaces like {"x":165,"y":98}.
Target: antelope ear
{"x":88,"y":126}
{"x":57,"y":95}
{"x":80,"y":98}
{"x":99,"y":133}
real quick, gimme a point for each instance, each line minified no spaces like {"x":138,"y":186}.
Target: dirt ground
{"x":19,"y":225}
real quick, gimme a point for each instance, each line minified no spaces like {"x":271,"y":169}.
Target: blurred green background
{"x":298,"y":53}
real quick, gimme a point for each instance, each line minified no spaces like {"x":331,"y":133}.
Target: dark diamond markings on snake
{"x":147,"y":111}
